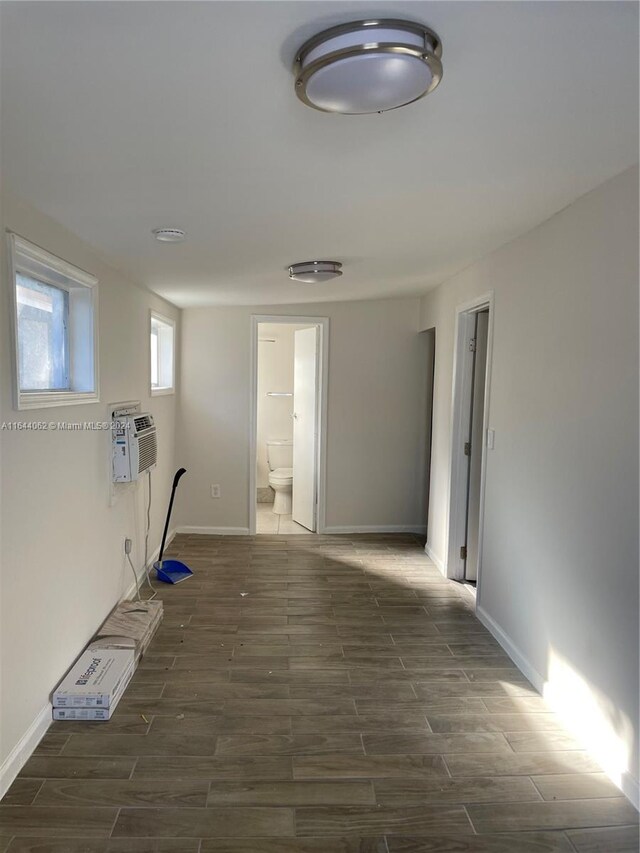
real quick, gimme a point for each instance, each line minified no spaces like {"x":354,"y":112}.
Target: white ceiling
{"x":121,"y":117}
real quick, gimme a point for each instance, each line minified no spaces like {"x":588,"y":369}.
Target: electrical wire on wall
{"x":146,"y":540}
{"x":127,"y":550}
{"x":128,"y":544}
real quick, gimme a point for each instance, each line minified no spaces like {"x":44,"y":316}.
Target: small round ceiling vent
{"x":169,"y":235}
{"x":311,"y":272}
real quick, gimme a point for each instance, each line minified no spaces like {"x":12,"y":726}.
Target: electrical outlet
{"x":215,"y":491}
{"x":128,"y":543}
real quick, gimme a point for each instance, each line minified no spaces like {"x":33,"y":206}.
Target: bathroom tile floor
{"x":270,"y":523}
{"x":317,"y":694}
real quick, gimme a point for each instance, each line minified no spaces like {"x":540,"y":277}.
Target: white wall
{"x":275,"y":373}
{"x":63,"y":567}
{"x":377,"y":402}
{"x":560,"y":560}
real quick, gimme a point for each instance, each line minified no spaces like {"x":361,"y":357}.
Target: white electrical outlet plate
{"x":491,"y":437}
{"x":215,"y":491}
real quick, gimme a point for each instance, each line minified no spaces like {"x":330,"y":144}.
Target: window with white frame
{"x":162,"y":354}
{"x":55,"y":329}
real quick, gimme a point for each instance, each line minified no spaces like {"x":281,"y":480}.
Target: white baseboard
{"x":215,"y":531}
{"x":630,"y":788}
{"x":22,"y":751}
{"x":511,"y":649}
{"x":438,"y":563}
{"x":376,"y":528}
{"x":626,"y":782}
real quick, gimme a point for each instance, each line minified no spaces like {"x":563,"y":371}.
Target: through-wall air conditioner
{"x":135,"y":448}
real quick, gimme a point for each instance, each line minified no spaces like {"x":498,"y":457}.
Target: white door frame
{"x":323,"y":372}
{"x":461,"y":398}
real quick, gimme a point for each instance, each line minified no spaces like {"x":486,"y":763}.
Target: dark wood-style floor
{"x":317,"y":695}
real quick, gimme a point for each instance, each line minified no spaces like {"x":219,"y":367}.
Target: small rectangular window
{"x":55,"y":329}
{"x":162,"y":355}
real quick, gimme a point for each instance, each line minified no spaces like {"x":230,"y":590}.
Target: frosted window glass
{"x":43,"y":348}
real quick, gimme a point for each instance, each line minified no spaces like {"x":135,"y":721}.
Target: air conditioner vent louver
{"x":143,"y":422}
{"x":135,"y":447}
{"x":147,"y":451}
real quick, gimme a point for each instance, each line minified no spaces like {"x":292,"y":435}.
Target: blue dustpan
{"x":171,"y":571}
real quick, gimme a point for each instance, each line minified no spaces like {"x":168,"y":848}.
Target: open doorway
{"x":287,"y":425}
{"x":470,"y":439}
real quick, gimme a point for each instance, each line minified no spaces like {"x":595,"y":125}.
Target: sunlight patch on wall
{"x":605,"y":732}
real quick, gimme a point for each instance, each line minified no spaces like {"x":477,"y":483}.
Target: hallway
{"x":317,"y":694}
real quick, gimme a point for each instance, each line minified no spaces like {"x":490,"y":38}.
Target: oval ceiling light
{"x":311,"y":272}
{"x":368,"y":66}
{"x":169,"y":235}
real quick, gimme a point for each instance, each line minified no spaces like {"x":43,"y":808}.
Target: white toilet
{"x":280,"y":461}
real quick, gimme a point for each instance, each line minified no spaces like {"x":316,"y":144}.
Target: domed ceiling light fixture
{"x":368,"y":66}
{"x":311,"y":272}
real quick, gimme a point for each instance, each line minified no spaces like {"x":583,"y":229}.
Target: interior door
{"x":305,"y":420}
{"x":476,"y":445}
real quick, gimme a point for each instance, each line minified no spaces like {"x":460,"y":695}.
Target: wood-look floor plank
{"x":425,"y":706}
{"x":63,"y":767}
{"x":530,"y":842}
{"x":435,"y":744}
{"x":293,"y":677}
{"x":383,"y":820}
{"x":291,"y":707}
{"x":509,"y":817}
{"x":169,"y":707}
{"x":217,"y":692}
{"x":388,"y":690}
{"x":341,"y":766}
{"x":290,"y":650}
{"x":52,"y":743}
{"x":181,"y":676}
{"x":288,"y":744}
{"x":65,"y":792}
{"x":494,"y":722}
{"x":22,"y":792}
{"x":247,"y":821}
{"x":353,"y":844}
{"x":53,"y":821}
{"x":131,"y":724}
{"x":481,"y":690}
{"x":542,"y":741}
{"x":209,"y":767}
{"x":111,"y":845}
{"x":521,"y":764}
{"x":161,"y":744}
{"x":575,"y":786}
{"x":291,"y":793}
{"x":624,"y":839}
{"x":383,"y":722}
{"x":200,"y":724}
{"x":503,"y":789}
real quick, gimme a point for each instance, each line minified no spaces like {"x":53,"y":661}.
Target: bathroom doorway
{"x":471,"y":438}
{"x":288,"y":417}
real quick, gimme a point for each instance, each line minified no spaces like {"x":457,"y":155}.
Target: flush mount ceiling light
{"x":169,"y":235}
{"x":311,"y":272}
{"x":368,"y":66}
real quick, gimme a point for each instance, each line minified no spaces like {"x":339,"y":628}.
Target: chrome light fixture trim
{"x":311,"y":272}
{"x":169,"y":235}
{"x":428,"y":51}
